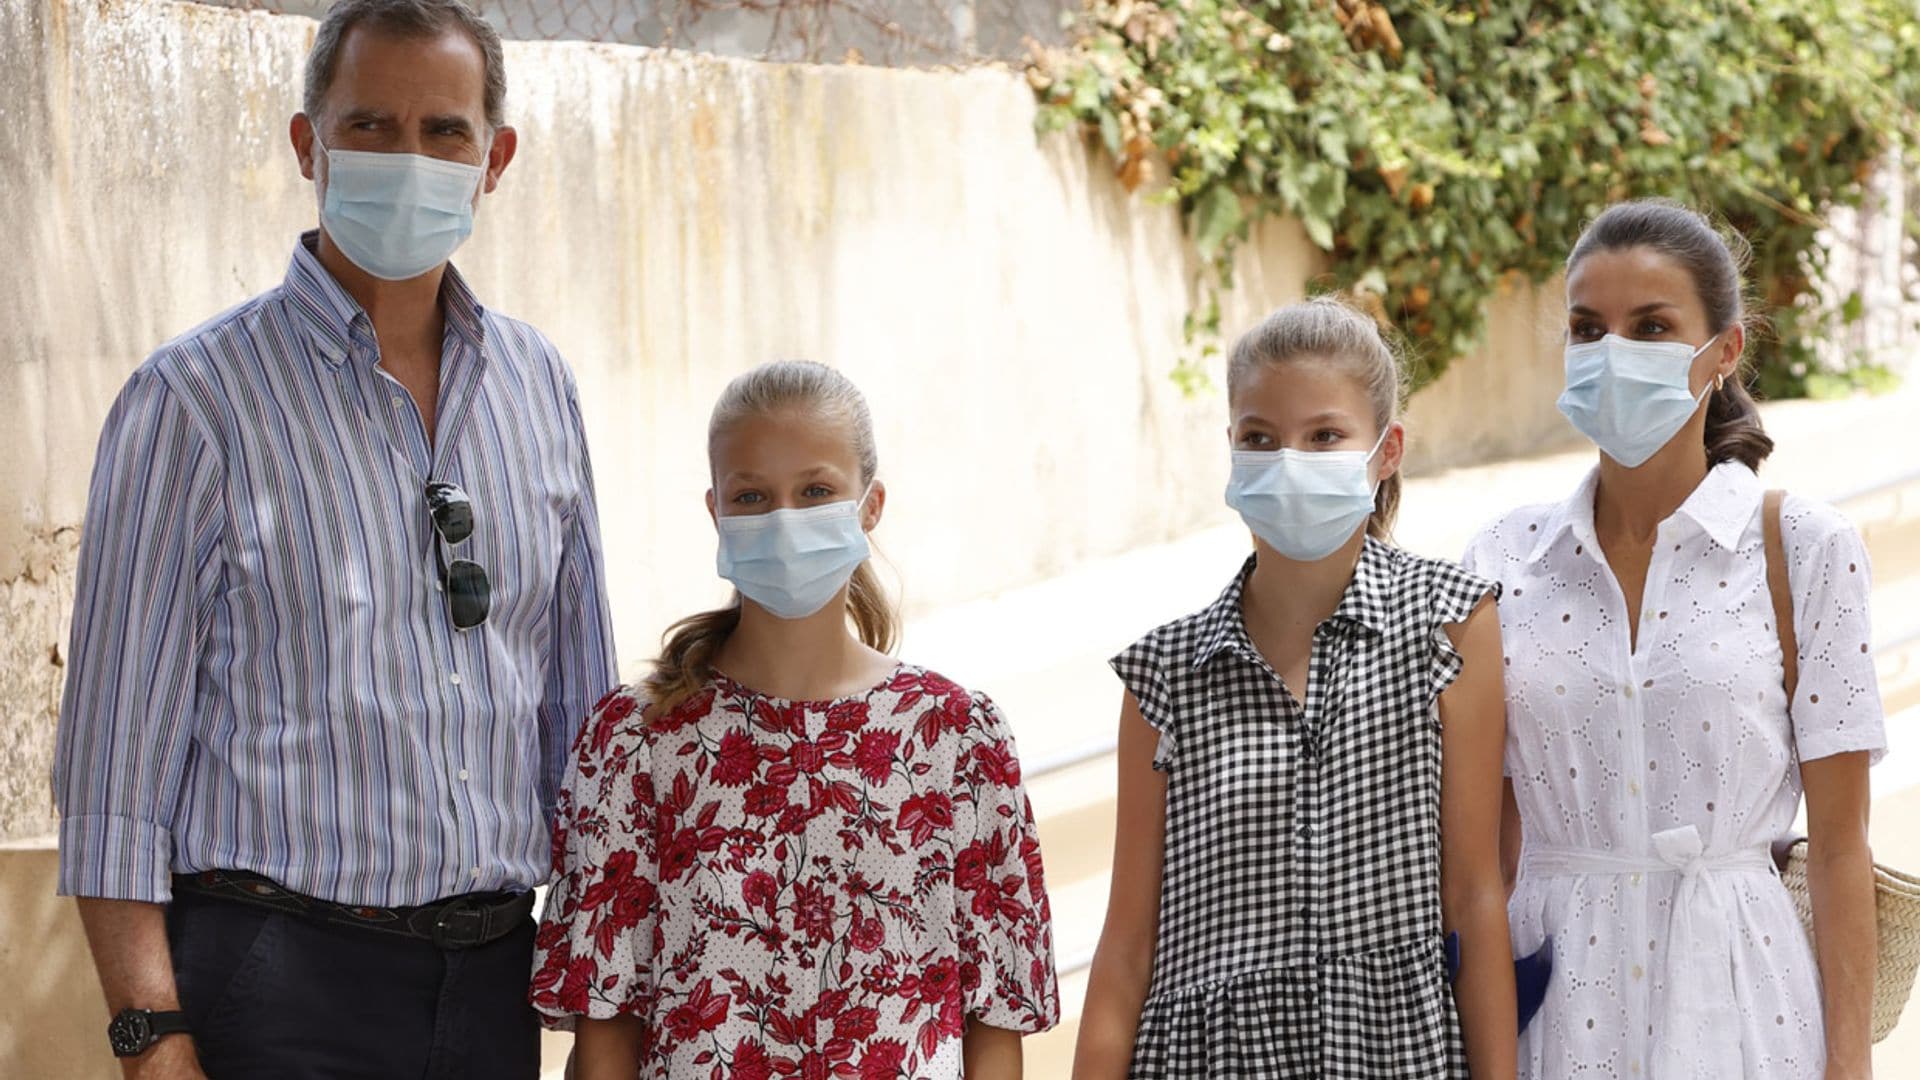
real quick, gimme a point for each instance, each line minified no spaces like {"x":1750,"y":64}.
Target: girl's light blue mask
{"x":792,"y":562}
{"x":397,"y":216}
{"x":1305,"y":504}
{"x":1630,"y":397}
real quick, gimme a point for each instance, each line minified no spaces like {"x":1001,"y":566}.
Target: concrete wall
{"x":671,"y":220}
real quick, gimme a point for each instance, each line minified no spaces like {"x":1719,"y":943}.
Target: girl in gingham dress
{"x":1310,"y":767}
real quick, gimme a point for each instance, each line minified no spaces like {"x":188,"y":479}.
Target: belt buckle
{"x":459,"y":924}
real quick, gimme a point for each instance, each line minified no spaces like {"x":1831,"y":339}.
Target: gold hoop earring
{"x":1719,"y":383}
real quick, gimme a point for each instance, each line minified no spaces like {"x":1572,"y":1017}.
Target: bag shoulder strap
{"x":1782,"y":591}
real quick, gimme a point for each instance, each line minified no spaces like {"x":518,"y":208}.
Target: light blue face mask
{"x":397,"y":216}
{"x":792,"y":562}
{"x":1305,"y":504}
{"x":1630,"y":397}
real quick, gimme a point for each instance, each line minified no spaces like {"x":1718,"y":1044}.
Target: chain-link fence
{"x":897,"y":33}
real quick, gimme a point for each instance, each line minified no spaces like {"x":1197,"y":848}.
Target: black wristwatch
{"x":134,"y":1031}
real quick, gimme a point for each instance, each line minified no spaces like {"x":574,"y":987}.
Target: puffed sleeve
{"x":1454,"y":593}
{"x":594,"y":953}
{"x":1004,"y":922}
{"x":1836,"y":708}
{"x":1142,"y":667}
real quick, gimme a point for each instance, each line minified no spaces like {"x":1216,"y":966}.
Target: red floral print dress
{"x":806,"y":889}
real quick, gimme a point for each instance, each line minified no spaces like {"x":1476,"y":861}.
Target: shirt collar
{"x":1722,"y":505}
{"x":1365,"y":604}
{"x":332,"y":316}
{"x":1575,"y":515}
{"x":1725,"y":502}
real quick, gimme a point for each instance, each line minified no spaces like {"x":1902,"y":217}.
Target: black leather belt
{"x":461,"y":922}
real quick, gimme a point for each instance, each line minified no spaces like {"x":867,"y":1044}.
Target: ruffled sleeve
{"x":1455,"y":593}
{"x":594,"y":953}
{"x":1004,"y":922}
{"x":1142,"y":667}
{"x":1836,"y":707}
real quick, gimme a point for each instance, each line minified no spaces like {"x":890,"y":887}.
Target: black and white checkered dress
{"x":1300,"y":931}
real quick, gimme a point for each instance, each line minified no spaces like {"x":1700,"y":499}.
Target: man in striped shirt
{"x":340,"y":614}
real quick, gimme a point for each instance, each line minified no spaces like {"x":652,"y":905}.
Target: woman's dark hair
{"x":1714,"y":260}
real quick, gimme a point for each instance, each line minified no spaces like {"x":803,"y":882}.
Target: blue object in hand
{"x":1531,"y":974}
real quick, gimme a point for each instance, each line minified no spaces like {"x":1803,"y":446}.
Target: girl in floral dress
{"x":786,"y":853}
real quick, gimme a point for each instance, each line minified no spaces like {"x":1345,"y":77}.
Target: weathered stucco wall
{"x":671,"y":220}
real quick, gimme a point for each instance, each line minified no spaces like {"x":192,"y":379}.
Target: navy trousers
{"x":276,"y":996}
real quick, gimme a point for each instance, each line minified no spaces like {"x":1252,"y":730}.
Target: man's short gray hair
{"x":404,"y":18}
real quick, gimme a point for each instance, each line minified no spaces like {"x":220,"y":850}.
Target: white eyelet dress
{"x":1299,"y":931}
{"x":1651,"y":779}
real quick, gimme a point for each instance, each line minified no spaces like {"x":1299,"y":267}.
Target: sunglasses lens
{"x":469,"y":594}
{"x":454,"y":520}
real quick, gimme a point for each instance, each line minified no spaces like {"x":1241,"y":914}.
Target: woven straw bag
{"x":1896,"y":902}
{"x":1896,"y":896}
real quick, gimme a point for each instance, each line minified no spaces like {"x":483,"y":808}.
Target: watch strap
{"x":168,"y":1023}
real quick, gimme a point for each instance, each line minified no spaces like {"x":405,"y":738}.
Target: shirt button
{"x":475,"y":872}
{"x":437,"y":586}
{"x":397,"y":403}
{"x":463,"y":774}
{"x":454,"y":678}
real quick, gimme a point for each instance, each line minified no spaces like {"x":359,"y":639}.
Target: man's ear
{"x":506,"y":142}
{"x":301,"y":134}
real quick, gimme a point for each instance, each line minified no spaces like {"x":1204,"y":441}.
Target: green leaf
{"x":1217,"y":216}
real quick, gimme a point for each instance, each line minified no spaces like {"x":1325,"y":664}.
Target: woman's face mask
{"x":1631,"y":397}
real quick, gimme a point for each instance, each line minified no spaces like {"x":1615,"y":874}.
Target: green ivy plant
{"x":1433,"y":149}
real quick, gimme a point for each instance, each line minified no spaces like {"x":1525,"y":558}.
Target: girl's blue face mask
{"x":397,"y":216}
{"x":793,"y":562}
{"x":1306,"y":504}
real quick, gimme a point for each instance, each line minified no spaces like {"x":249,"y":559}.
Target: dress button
{"x":1306,"y":832}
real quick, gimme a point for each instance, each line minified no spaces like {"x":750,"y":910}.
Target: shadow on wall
{"x":54,"y":1021}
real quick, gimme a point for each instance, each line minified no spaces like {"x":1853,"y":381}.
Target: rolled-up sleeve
{"x":580,"y":669}
{"x":149,"y":571}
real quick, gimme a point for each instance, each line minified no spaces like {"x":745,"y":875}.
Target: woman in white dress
{"x":1651,"y":751}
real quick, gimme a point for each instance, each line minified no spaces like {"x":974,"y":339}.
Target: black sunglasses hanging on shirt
{"x":469,"y":593}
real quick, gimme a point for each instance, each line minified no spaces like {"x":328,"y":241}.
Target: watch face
{"x":130,"y":1033}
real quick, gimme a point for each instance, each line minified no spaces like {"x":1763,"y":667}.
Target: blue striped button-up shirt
{"x":264,"y":673}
